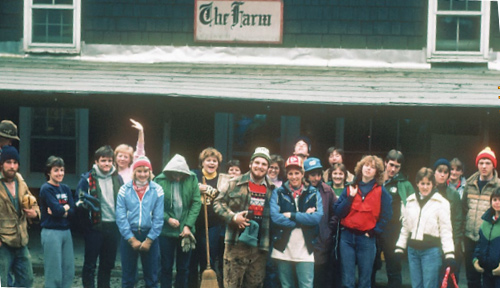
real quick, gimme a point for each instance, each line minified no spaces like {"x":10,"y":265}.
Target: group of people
{"x":284,"y":223}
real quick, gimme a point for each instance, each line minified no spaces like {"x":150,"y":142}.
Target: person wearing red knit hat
{"x":476,"y":197}
{"x":139,"y":217}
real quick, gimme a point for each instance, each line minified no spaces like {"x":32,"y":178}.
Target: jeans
{"x":360,"y":250}
{"x":198,"y":262}
{"x":150,"y":261}
{"x":296,"y":274}
{"x":473,"y":277}
{"x":424,"y":267}
{"x":102,"y":244}
{"x":17,"y":263}
{"x":58,"y":258}
{"x":170,"y":249}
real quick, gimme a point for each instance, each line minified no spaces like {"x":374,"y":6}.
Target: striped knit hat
{"x":487,"y":154}
{"x":142,"y":161}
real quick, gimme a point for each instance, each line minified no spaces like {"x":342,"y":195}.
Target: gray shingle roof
{"x":323,"y":85}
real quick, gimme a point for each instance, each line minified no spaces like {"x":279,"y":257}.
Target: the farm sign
{"x":255,"y":21}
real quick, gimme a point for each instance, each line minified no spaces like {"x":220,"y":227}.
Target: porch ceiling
{"x":320,"y":85}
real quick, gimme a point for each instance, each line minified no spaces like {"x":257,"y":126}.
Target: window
{"x":458,"y":31}
{"x":61,"y":132}
{"x":52,"y":26}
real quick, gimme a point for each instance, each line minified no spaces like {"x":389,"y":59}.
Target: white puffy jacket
{"x":433,"y":219}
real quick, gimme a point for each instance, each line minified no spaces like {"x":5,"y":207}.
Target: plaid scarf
{"x":96,"y":216}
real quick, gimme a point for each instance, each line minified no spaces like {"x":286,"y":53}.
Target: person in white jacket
{"x":426,"y":232}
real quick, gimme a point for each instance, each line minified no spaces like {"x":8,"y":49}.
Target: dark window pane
{"x":454,"y":33}
{"x":53,"y":122}
{"x":384,"y":135}
{"x":251,"y":131}
{"x":41,"y":149}
{"x":454,"y":5}
{"x":357,"y":134}
{"x":414,"y":136}
{"x":63,"y":2}
{"x":42,"y":1}
{"x":52,"y":26}
{"x":53,"y":133}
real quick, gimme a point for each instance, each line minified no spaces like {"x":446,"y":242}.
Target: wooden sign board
{"x":249,"y":21}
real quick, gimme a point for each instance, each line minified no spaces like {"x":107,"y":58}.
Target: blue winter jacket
{"x":488,"y":247}
{"x":282,"y":201}
{"x":133,"y":214}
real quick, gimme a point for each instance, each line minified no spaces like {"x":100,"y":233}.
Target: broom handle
{"x":206,"y":231}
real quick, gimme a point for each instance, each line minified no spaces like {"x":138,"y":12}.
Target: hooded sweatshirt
{"x":108,"y":197}
{"x":182,"y":199}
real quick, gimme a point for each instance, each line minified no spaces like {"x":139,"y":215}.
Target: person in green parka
{"x":400,"y":188}
{"x":442,"y":168}
{"x":182,"y":206}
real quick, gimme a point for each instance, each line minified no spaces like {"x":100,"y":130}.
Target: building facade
{"x":367,"y":76}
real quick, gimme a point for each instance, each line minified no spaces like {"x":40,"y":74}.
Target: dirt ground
{"x":77,"y":282}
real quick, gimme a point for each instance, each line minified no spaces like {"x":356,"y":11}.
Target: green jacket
{"x":456,"y":212}
{"x":404,"y":187}
{"x":400,"y":189}
{"x":190,"y":194}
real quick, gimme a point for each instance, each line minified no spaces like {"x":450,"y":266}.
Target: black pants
{"x":102,"y":244}
{"x":473,"y":277}
{"x":387,"y":244}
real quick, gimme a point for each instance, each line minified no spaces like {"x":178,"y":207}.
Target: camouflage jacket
{"x":236,"y":198}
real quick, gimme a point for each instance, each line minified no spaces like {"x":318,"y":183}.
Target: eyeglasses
{"x":274,"y":168}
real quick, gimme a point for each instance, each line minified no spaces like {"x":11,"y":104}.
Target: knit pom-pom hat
{"x":488,"y":154}
{"x":142,"y":161}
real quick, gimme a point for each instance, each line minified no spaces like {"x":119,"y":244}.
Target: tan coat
{"x":234,"y":198}
{"x":14,"y":228}
{"x":477,"y":203}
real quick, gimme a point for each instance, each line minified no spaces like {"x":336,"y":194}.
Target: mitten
{"x":188,"y":243}
{"x":477,"y":267}
{"x":398,"y":255}
{"x":496,"y":271}
{"x":450,"y":262}
{"x":146,"y":245}
{"x":134,"y":243}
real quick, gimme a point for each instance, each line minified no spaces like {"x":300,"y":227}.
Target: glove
{"x":450,"y":262}
{"x":496,"y":271}
{"x":146,"y":245}
{"x":29,"y":201}
{"x":188,"y":243}
{"x":398,"y":255}
{"x":88,"y":202}
{"x":477,"y":267}
{"x":134,"y":243}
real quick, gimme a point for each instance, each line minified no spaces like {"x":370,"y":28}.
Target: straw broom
{"x":208,"y":278}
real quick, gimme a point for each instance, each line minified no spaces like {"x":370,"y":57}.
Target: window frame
{"x":480,"y":56}
{"x":67,"y":48}
{"x":37,"y":179}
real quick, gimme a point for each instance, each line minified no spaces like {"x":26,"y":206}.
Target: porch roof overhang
{"x":451,"y":87}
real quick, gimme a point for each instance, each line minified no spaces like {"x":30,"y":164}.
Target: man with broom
{"x":245,"y":207}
